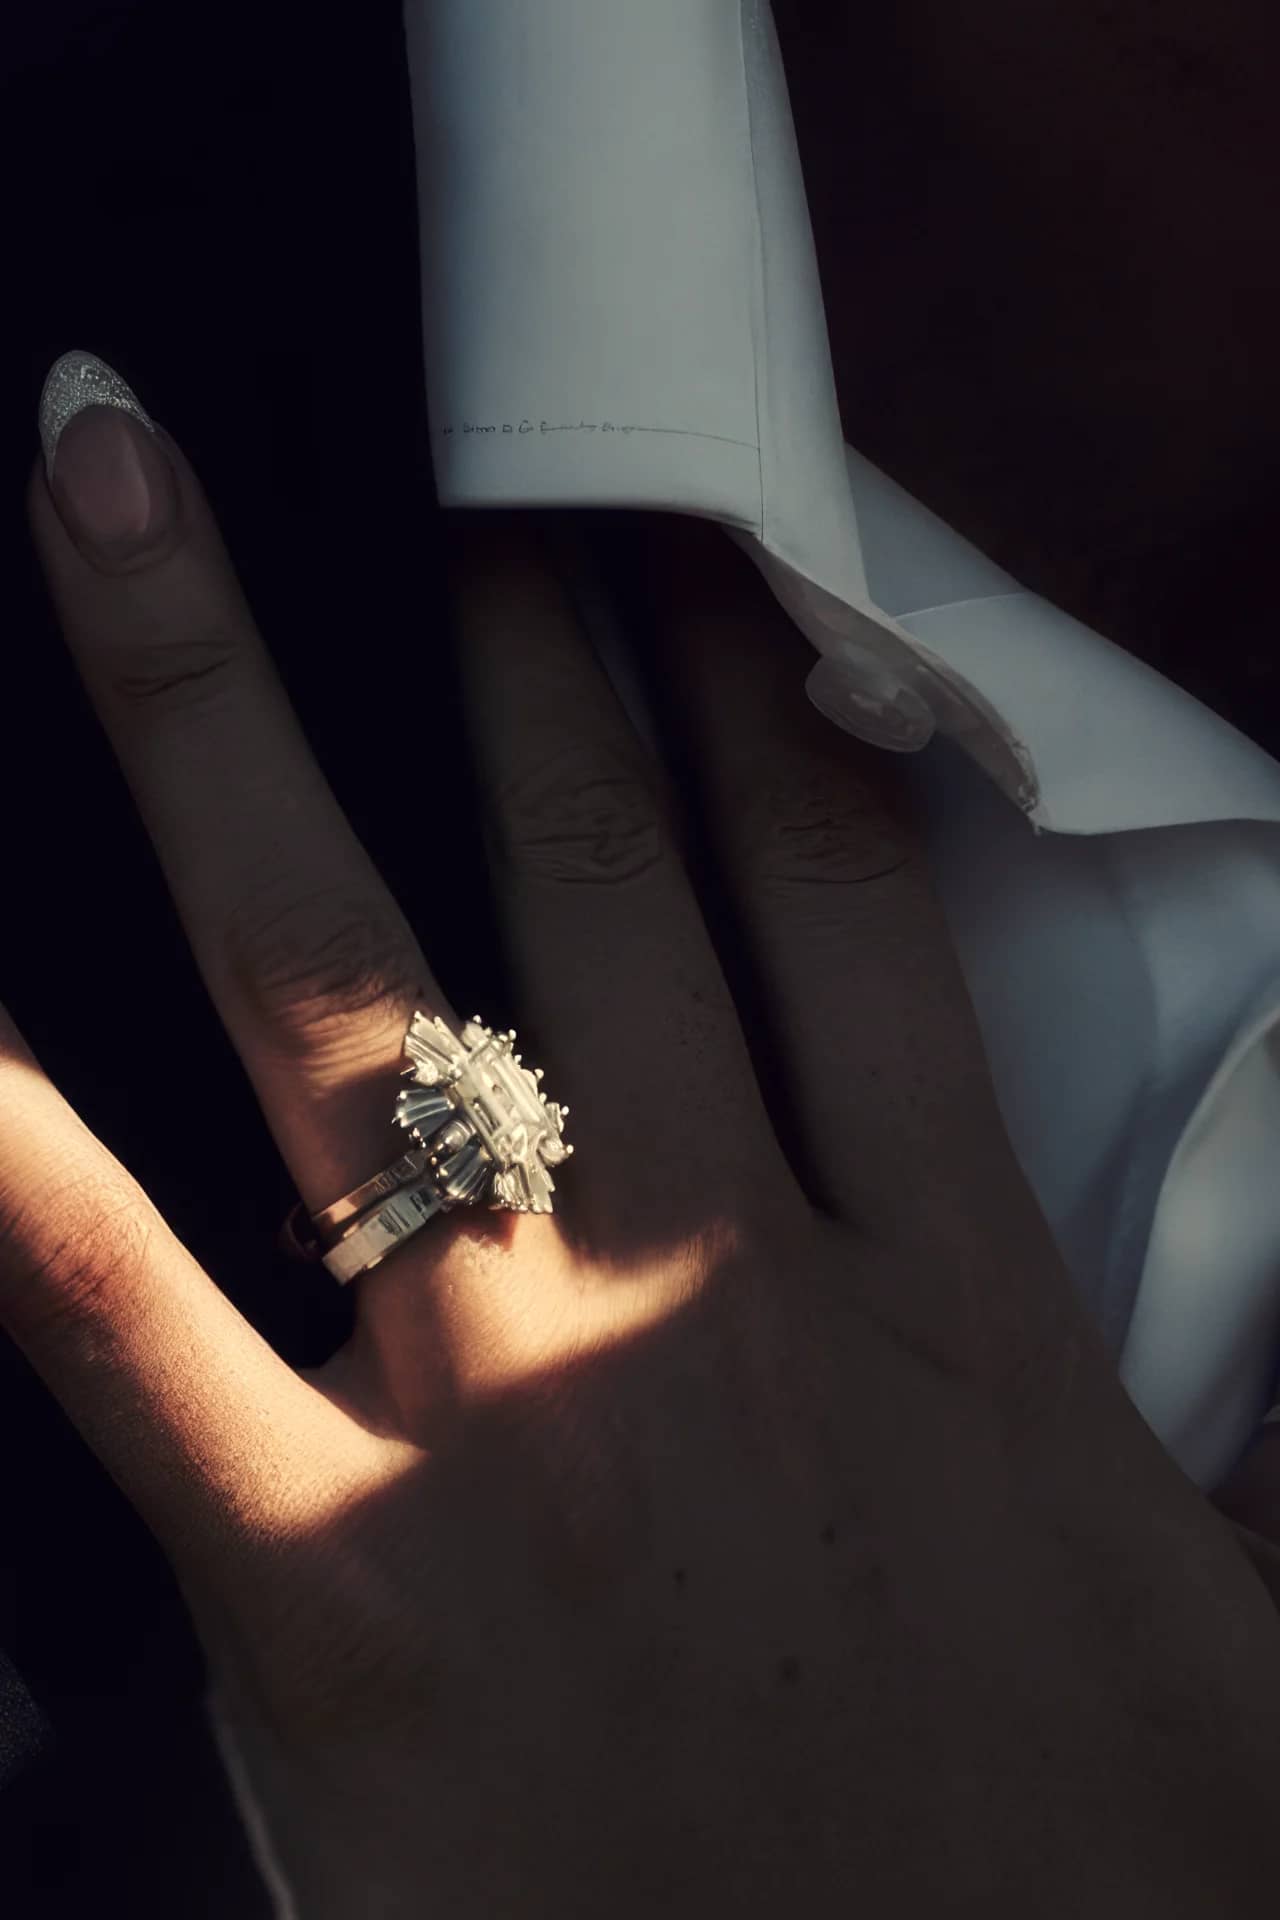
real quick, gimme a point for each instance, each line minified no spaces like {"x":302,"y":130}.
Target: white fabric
{"x":621,"y":307}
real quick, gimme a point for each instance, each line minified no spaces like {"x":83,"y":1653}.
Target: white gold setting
{"x":485,"y":1131}
{"x":505,"y":1134}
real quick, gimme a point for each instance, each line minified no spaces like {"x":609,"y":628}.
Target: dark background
{"x":1047,"y":244}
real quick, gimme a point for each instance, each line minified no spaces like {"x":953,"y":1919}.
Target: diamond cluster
{"x":487,"y":1125}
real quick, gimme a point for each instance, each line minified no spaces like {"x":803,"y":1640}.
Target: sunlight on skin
{"x":539,"y":1310}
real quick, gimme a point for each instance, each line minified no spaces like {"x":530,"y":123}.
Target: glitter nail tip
{"x":77,"y":380}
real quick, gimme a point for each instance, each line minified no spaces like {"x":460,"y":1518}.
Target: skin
{"x":719,"y":1542}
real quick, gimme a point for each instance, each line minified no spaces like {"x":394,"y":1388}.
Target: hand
{"x":765,"y":1531}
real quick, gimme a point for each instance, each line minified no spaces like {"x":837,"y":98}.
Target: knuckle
{"x":308,"y":964}
{"x":581,"y":819}
{"x":814,"y":836}
{"x":175,"y":673}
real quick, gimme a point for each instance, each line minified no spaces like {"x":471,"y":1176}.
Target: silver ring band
{"x":367,"y":1244}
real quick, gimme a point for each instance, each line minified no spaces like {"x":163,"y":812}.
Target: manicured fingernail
{"x":1274,"y":1414}
{"x":872,"y":704}
{"x":110,"y":479}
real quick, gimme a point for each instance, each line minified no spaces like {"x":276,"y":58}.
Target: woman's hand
{"x":766,"y":1531}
